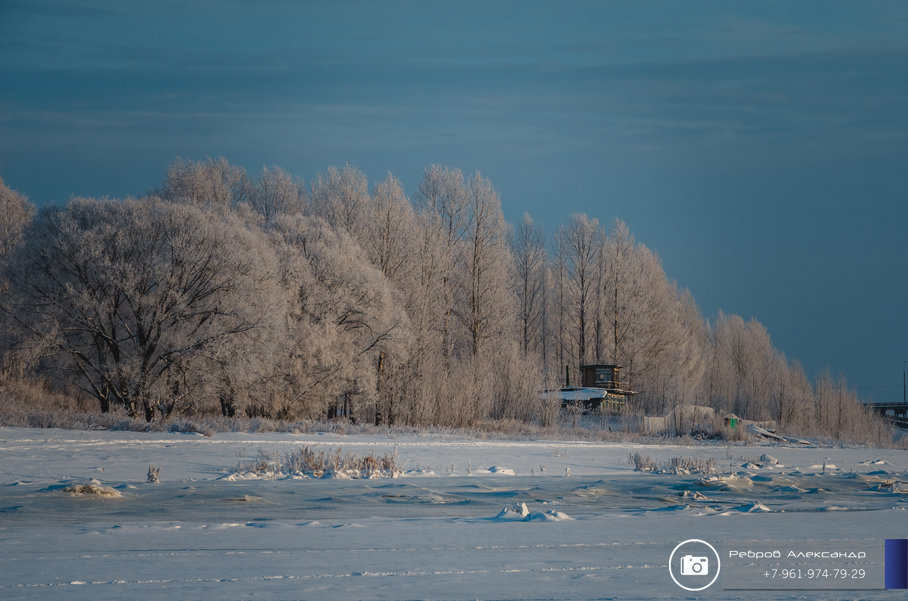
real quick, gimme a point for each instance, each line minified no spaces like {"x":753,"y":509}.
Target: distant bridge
{"x":896,"y":413}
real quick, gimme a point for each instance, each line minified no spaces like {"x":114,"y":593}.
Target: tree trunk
{"x":228,"y":407}
{"x":104,"y":400}
{"x":379,"y":401}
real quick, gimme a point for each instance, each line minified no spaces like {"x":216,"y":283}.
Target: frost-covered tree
{"x":145,"y":300}
{"x":794,"y":398}
{"x":389,"y":237}
{"x":341,"y":198}
{"x":690,"y":362}
{"x":578,"y":246}
{"x":528,"y":248}
{"x":209,"y":182}
{"x":639,"y":307}
{"x":15,"y":213}
{"x":276,"y":192}
{"x":486,"y":304}
{"x":741,"y":370}
{"x":418,"y":381}
{"x":342,"y":317}
{"x":558,"y":300}
{"x":442,"y":201}
{"x":678,"y":376}
{"x":426,"y":287}
{"x":388,"y":242}
{"x":252,"y":297}
{"x":839,"y":413}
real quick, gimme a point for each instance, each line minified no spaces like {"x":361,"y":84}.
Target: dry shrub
{"x":675,"y":465}
{"x":322,"y":464}
{"x":642,"y":463}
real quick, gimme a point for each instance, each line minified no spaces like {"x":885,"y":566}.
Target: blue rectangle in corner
{"x":896,"y":563}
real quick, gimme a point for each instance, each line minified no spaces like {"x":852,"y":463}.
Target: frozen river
{"x":592,"y":528}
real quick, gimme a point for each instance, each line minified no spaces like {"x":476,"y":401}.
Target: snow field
{"x":450,"y":527}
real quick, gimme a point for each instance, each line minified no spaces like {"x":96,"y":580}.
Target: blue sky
{"x":759,"y":147}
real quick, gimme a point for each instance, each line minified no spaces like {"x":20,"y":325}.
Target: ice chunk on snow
{"x":790,"y":488}
{"x":724,"y":482}
{"x":518,"y":512}
{"x":711,"y":481}
{"x":893,"y":486}
{"x":547,"y":516}
{"x":420,"y":471}
{"x":246,"y":499}
{"x":695,"y":495}
{"x":511,"y":512}
{"x":93,"y":487}
{"x":497,"y":469}
{"x":754,"y":507}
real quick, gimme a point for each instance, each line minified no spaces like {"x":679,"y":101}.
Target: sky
{"x":760,"y":148}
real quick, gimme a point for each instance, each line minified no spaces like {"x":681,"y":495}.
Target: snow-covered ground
{"x":466,"y":519}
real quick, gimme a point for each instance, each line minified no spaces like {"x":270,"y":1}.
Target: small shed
{"x":606,"y":376}
{"x":601,"y":388}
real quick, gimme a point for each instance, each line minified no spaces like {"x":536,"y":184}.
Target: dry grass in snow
{"x":309,"y":463}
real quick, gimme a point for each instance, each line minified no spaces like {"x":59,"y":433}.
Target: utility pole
{"x":904,"y":385}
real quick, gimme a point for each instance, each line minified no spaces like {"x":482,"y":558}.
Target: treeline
{"x":264,"y":297}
